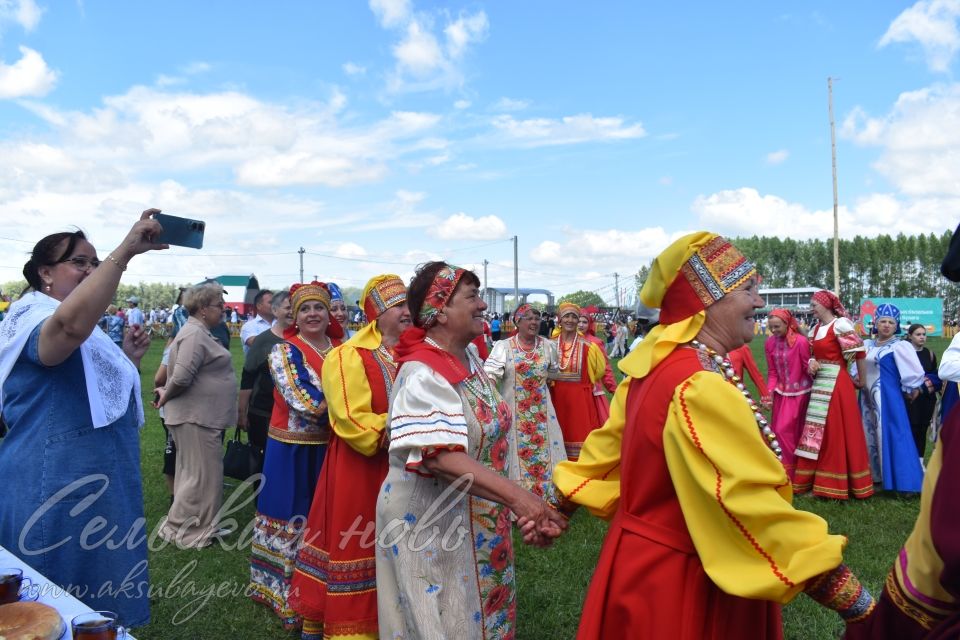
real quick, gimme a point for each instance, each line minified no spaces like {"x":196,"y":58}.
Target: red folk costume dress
{"x":832,"y":455}
{"x":607,"y":383}
{"x":581,"y":366}
{"x":704,"y":542}
{"x":334,"y":584}
{"x":335,"y":579}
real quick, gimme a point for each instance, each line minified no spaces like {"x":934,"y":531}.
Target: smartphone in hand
{"x":182,"y":232}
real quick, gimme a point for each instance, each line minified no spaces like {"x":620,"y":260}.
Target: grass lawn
{"x":200,"y":594}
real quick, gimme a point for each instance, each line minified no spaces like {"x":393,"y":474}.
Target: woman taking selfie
{"x":72,"y":402}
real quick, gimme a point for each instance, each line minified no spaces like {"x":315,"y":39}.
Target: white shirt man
{"x":263,"y":320}
{"x":134,"y":315}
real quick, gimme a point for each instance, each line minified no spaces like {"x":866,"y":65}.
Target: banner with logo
{"x":925,"y":311}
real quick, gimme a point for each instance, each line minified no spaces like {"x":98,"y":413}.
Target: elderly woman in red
{"x":704,"y":541}
{"x":832,"y":455}
{"x":296,"y":445}
{"x":582,"y":364}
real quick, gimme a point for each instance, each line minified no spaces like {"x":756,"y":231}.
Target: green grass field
{"x":200,"y":594}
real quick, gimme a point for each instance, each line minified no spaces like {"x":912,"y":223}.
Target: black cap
{"x":950,"y":267}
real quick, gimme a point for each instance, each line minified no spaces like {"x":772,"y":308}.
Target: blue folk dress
{"x":52,"y":462}
{"x":892,"y":369}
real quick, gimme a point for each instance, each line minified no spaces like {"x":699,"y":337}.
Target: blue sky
{"x":379,"y":135}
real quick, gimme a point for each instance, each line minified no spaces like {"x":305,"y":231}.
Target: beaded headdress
{"x":712,"y":271}
{"x":381,"y":293}
{"x":567,"y":307}
{"x":300,"y":293}
{"x":335,"y":292}
{"x":442,"y":287}
{"x":692,"y":273}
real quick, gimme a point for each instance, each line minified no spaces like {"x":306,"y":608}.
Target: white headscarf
{"x":109,"y":374}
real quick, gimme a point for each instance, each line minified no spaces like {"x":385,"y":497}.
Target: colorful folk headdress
{"x":567,"y":307}
{"x":686,"y":278}
{"x":887,"y":310}
{"x":381,"y":293}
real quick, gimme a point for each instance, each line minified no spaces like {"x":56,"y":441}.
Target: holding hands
{"x":539,"y":522}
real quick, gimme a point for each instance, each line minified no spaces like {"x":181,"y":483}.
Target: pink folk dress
{"x":789,"y":385}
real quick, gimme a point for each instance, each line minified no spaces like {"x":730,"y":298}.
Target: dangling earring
{"x":47,"y":287}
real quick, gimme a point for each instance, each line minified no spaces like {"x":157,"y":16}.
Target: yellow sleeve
{"x":594,"y":480}
{"x":350,"y":401}
{"x":596,"y":363}
{"x":736,"y":498}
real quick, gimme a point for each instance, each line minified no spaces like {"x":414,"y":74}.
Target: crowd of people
{"x":399,"y":459}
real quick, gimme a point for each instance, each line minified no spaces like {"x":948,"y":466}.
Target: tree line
{"x":882,"y":267}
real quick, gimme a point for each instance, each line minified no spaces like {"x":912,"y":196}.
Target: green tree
{"x":583,"y":299}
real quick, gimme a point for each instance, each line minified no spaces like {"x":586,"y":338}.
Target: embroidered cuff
{"x":841,"y":591}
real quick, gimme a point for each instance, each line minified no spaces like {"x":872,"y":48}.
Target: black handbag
{"x":241,"y":459}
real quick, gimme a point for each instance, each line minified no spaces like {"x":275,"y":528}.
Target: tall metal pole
{"x":301,"y":252}
{"x":485,"y":263}
{"x":616,"y":286}
{"x":516,"y":275}
{"x":836,"y":224}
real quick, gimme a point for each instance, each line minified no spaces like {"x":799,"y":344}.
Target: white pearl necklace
{"x":769,"y":437}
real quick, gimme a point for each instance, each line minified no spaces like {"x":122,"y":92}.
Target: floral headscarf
{"x":441,"y":289}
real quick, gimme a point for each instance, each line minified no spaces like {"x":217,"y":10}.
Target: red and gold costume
{"x":581,"y":366}
{"x":703,"y":540}
{"x":334,"y":584}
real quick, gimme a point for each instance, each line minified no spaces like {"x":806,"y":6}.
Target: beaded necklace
{"x":567,"y":354}
{"x":528,"y":353}
{"x":320,"y":352}
{"x":726,"y":368}
{"x":476,"y":381}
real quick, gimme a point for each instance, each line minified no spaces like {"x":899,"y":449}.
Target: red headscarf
{"x":793,"y":329}
{"x":591,"y":323}
{"x":830,"y":300}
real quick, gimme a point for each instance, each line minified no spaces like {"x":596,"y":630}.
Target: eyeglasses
{"x":82,"y":262}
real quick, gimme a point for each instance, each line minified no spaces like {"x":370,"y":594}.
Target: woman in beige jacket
{"x":200,"y":400}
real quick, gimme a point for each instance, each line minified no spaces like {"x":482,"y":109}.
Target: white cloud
{"x":391,"y":13}
{"x":419,"y":52}
{"x":466,"y":30}
{"x":28,"y":77}
{"x":919,"y":139}
{"x":509,"y":104}
{"x":353,"y":69}
{"x":264,"y":144}
{"x":746,"y":212}
{"x":537,"y":132}
{"x":612,"y":248}
{"x":25,"y":13}
{"x":666,"y":181}
{"x":428,"y":58}
{"x":461,"y":104}
{"x":933,"y":25}
{"x":778,"y":157}
{"x":460,"y":226}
